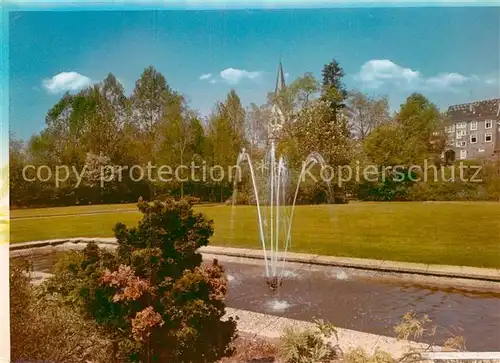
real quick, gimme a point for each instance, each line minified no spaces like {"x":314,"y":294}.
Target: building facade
{"x":474,"y":132}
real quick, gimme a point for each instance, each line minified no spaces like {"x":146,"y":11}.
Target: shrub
{"x":358,"y":355}
{"x":309,"y":345}
{"x":415,"y":328}
{"x":152,"y":295}
{"x":394,"y":186}
{"x":45,"y":329}
{"x":252,"y":350}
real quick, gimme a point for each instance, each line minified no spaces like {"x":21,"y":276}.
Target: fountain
{"x":275,"y":207}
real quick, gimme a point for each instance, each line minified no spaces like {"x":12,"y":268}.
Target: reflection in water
{"x":278,"y":305}
{"x":371,"y":305}
{"x":341,"y":275}
{"x":288,"y":274}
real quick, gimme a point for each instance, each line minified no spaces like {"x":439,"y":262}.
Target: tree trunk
{"x":115,"y":351}
{"x":182,"y":182}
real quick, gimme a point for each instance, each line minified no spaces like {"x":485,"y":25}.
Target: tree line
{"x":100,"y":125}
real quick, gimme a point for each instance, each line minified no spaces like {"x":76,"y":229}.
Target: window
{"x":488,"y":124}
{"x":488,"y":137}
{"x":451,"y":142}
{"x":450,"y":129}
{"x":461,"y":133}
{"x":461,"y":143}
{"x":473,"y":138}
{"x":473,"y":125}
{"x":462,"y":125}
{"x":463,"y":154}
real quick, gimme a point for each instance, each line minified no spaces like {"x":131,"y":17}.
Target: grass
{"x":452,"y":233}
{"x":41,"y":212}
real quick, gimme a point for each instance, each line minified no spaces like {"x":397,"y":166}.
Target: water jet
{"x":274,"y":203}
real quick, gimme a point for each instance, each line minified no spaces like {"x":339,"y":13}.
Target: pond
{"x":353,"y":301}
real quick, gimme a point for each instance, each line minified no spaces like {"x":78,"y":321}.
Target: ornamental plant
{"x":153,"y":296}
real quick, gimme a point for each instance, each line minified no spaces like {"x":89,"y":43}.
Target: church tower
{"x":280,"y":79}
{"x":277,"y":116}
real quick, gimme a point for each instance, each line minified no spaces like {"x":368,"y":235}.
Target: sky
{"x":450,"y":54}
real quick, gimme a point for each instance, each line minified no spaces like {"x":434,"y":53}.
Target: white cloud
{"x":205,"y":76}
{"x":234,"y":76}
{"x":377,"y":72}
{"x":383,"y":72}
{"x":213,"y":81}
{"x":66,"y":81}
{"x":446,"y":80}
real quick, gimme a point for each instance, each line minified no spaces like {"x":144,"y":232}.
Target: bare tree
{"x":365,"y":113}
{"x":256,"y":123}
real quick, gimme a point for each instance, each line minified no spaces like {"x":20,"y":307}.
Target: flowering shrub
{"x":153,"y":296}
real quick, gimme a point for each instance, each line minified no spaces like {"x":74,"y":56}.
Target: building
{"x":474,"y":132}
{"x":277,"y":119}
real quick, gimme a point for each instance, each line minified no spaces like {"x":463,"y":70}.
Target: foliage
{"x":448,"y":191}
{"x":415,"y":135}
{"x":333,"y":91}
{"x":45,"y":329}
{"x":491,"y":177}
{"x":310,"y":345}
{"x":225,"y":140}
{"x":358,"y":355}
{"x":415,"y":328}
{"x":254,"y":349}
{"x":314,"y":130}
{"x":155,"y":126}
{"x":152,"y":295}
{"x":365,"y":113}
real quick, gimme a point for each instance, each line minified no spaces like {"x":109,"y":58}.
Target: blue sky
{"x":451,"y":54}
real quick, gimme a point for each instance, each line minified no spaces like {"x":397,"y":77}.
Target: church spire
{"x":280,"y":79}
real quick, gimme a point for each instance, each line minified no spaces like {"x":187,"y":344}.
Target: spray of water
{"x":274,"y":206}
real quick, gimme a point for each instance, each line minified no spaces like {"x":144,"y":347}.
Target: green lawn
{"x":455,"y":233}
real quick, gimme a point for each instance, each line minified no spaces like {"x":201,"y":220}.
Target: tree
{"x":315,"y":131}
{"x":226,"y":138}
{"x":114,"y":93}
{"x":15,"y":169}
{"x":333,"y":89}
{"x":63,"y":130}
{"x":415,"y":135}
{"x":153,"y":296}
{"x":386,"y":145}
{"x":256,"y":126}
{"x":491,"y":176}
{"x":100,"y":176}
{"x":304,"y":89}
{"x":365,"y":113}
{"x":115,"y":108}
{"x":423,"y":128}
{"x":148,"y":100}
{"x":184,"y":136}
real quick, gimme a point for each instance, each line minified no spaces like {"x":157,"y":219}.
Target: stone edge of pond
{"x":462,"y":272}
